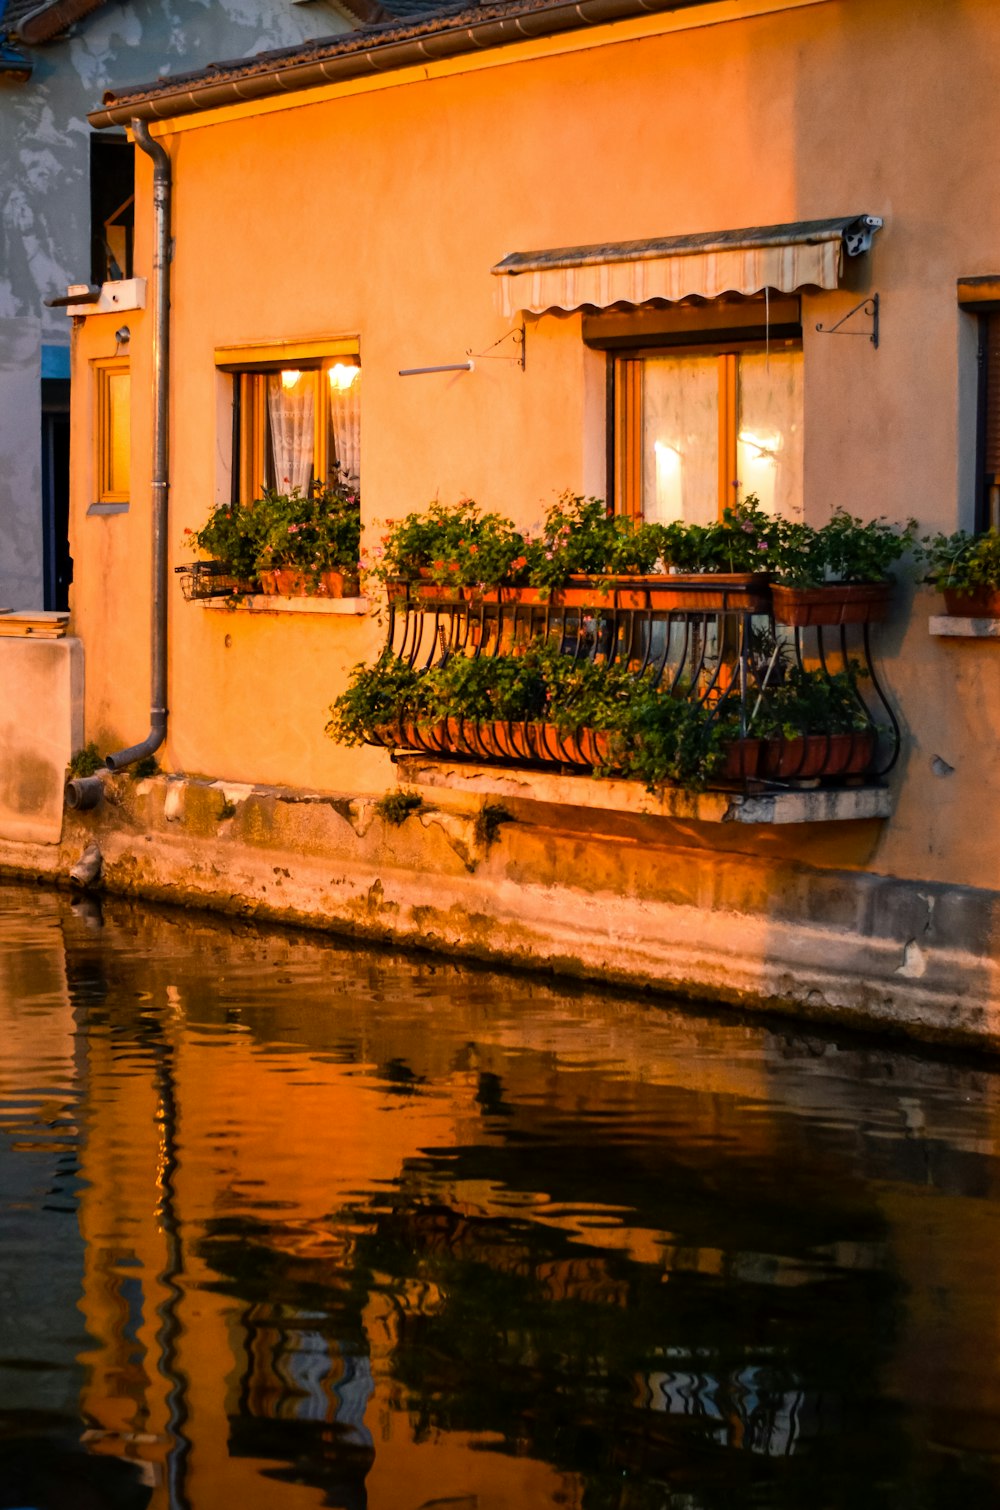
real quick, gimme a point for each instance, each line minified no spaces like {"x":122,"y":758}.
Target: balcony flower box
{"x":286,"y":582}
{"x":812,"y":756}
{"x":832,"y":603}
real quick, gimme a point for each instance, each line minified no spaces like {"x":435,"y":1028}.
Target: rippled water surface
{"x":288,"y":1223}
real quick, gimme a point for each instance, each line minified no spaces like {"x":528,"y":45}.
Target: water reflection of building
{"x":536,"y":1255}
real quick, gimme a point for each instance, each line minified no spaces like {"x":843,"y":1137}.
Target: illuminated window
{"x":705,"y":401}
{"x":296,"y":419}
{"x":113,"y":432}
{"x":698,"y":428}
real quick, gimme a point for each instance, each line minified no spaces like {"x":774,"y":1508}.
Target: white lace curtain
{"x":291,"y":408}
{"x":345,"y":423}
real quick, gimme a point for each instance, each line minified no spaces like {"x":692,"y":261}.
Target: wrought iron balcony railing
{"x":711,"y":641}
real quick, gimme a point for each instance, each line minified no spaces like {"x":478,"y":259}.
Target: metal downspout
{"x":161,"y":376}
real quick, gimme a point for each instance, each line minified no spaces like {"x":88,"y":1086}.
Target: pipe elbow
{"x":84,"y":792}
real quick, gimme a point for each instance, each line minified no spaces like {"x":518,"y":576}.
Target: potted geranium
{"x":838,"y":574}
{"x":310,"y":542}
{"x":966,"y":570}
{"x":449,"y":552}
{"x":722,"y":564}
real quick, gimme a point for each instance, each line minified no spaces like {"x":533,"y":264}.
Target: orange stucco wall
{"x":379,"y":213}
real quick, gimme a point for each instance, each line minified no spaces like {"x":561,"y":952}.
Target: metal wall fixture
{"x":870,"y":307}
{"x":517,"y":335}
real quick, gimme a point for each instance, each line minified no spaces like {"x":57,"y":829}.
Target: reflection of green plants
{"x":962,"y":563}
{"x":86,"y":761}
{"x":396,"y":807}
{"x":489,"y":821}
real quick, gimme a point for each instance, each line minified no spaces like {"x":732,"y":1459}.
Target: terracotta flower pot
{"x":981,"y":603}
{"x":813,"y":755}
{"x":835,"y":603}
{"x":741,"y":760}
{"x":287,"y":582}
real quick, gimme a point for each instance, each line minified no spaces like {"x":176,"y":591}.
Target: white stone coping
{"x":953,"y":626}
{"x":809,"y":805}
{"x":266,"y":603}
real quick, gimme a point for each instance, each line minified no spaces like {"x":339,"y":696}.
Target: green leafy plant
{"x":147,"y":766}
{"x":311,"y":532}
{"x":581,"y":537}
{"x":375,"y":698}
{"x":396,"y":807}
{"x":858,"y":550}
{"x":741,"y":541}
{"x":961,"y":562}
{"x":811,"y":701}
{"x":86,"y":761}
{"x":451,"y":544}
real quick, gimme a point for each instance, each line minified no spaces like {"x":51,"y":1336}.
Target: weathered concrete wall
{"x":41,"y":725}
{"x":650,"y":902}
{"x":45,"y":206}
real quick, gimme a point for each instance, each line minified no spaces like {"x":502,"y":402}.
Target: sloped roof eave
{"x":366,"y":54}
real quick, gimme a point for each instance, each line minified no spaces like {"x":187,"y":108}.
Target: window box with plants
{"x":290,"y":544}
{"x":838,"y":574}
{"x":965,"y":569}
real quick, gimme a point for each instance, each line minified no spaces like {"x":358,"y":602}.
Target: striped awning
{"x":807,"y":253}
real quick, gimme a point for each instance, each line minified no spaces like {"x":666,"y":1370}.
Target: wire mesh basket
{"x":212,"y":579}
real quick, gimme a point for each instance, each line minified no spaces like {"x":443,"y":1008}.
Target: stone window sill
{"x":808,"y":805}
{"x":950,"y":626}
{"x":343,"y":607}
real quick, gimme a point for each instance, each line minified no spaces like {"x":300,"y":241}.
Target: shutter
{"x":991,"y":448}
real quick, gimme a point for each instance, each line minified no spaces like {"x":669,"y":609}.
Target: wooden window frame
{"x":625,"y":374}
{"x":104,"y":371}
{"x":249,"y":366}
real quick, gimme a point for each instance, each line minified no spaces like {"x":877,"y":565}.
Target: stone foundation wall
{"x":654,"y":903}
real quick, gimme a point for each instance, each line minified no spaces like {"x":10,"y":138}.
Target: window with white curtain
{"x":698,"y":429}
{"x":296,"y":423}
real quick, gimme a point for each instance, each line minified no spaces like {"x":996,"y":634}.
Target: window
{"x":988,"y":489}
{"x":702,"y":416}
{"x":113,"y":432}
{"x":112,"y":207}
{"x":296,"y":418}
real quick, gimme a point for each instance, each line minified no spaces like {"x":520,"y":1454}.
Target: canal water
{"x":286,"y":1222}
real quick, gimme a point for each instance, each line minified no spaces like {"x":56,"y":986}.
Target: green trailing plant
{"x":86,"y":762}
{"x":962,"y":563}
{"x":376,"y":697}
{"x":396,"y":807}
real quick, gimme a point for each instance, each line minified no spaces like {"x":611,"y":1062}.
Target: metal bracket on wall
{"x":516,"y":335}
{"x":870,"y":307}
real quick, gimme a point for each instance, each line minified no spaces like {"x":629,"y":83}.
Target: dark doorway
{"x":57,"y":562}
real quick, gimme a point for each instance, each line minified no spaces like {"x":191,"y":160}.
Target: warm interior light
{"x":669,"y":502}
{"x":289,"y":379}
{"x":759,"y":457}
{"x":342,"y":375}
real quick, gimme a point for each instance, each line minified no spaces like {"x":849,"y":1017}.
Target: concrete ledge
{"x":818,"y":805}
{"x":951,"y":626}
{"x":652,"y":909}
{"x":265,"y":603}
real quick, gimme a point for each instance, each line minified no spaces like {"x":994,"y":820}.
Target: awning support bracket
{"x":870,"y":307}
